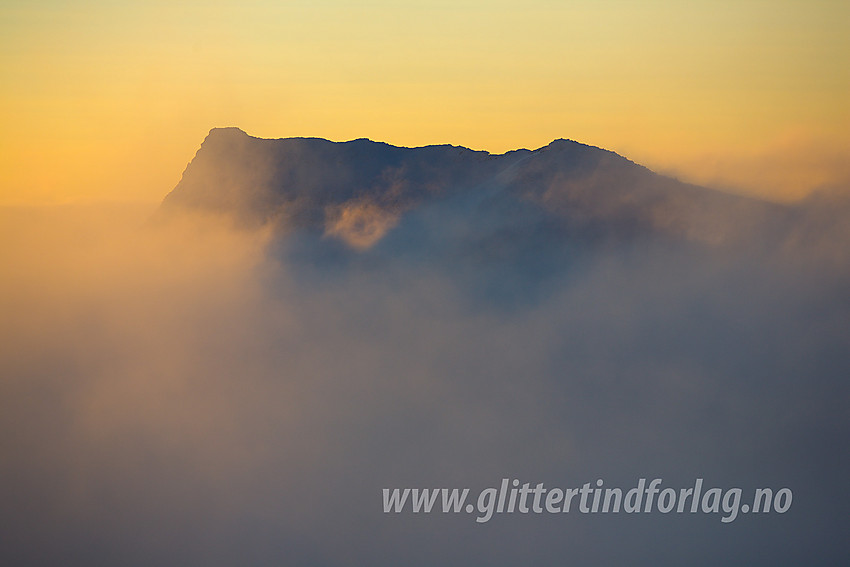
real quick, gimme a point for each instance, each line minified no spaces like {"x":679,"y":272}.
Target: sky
{"x":108,"y":101}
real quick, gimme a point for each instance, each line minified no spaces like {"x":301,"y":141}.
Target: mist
{"x":202,"y":392}
{"x":789,"y":168}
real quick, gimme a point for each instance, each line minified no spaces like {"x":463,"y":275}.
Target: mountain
{"x":364,"y":194}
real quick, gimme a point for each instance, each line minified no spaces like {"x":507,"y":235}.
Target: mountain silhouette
{"x":362,"y":192}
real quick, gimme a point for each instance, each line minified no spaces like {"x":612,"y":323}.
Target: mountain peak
{"x":227,"y":131}
{"x":564,"y":142}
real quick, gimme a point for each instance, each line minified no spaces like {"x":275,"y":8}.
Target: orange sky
{"x":103,"y":100}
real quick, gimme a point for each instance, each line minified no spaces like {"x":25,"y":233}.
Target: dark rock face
{"x":363,"y":192}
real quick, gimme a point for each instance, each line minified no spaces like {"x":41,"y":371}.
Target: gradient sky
{"x":110,"y":100}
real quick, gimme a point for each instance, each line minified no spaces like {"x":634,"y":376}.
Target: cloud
{"x":786,"y":170}
{"x":359,"y":224}
{"x":193,"y":393}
